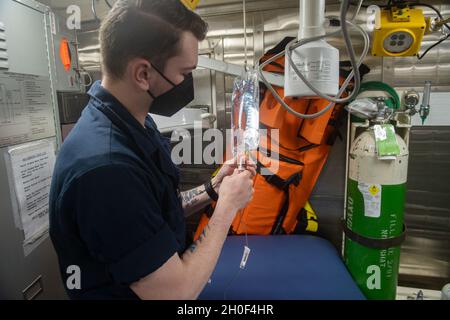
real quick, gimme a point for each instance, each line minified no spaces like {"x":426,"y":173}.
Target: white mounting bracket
{"x":237,"y":70}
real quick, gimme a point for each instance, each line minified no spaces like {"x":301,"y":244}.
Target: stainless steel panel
{"x":425,"y":258}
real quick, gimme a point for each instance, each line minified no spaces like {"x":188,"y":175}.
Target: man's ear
{"x":142,"y":73}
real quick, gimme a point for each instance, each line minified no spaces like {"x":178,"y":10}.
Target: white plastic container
{"x":319,"y":63}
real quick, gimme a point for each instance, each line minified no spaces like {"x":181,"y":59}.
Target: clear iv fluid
{"x":245,"y":114}
{"x":251,"y":111}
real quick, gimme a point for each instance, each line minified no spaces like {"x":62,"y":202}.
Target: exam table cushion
{"x":281,"y":267}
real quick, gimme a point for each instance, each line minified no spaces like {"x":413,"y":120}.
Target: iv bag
{"x":364,"y":108}
{"x":245,"y":115}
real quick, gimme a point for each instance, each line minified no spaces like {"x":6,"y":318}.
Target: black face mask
{"x":175,"y":99}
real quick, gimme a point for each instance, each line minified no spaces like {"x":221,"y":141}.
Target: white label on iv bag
{"x":245,"y":257}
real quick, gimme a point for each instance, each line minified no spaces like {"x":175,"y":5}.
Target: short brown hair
{"x":149,"y":29}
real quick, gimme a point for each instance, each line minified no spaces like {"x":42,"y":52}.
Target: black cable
{"x":108,"y":4}
{"x":419,"y":4}
{"x":420,"y":57}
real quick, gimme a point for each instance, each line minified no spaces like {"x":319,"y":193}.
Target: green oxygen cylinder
{"x":374,"y":226}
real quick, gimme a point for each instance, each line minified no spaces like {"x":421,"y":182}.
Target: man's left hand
{"x":228,"y":168}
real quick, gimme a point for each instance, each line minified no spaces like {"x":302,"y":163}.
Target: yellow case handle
{"x":311,"y":217}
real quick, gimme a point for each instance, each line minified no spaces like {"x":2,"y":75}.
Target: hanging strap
{"x":283,"y":185}
{"x":373,"y":242}
{"x":337,"y":122}
{"x":271,"y":154}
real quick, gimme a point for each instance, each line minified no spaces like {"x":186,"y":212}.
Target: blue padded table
{"x":294,"y":267}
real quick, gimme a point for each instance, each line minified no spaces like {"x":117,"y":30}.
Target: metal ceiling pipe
{"x":312,"y":19}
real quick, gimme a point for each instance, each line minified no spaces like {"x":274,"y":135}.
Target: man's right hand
{"x":185,"y":277}
{"x":237,"y":190}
